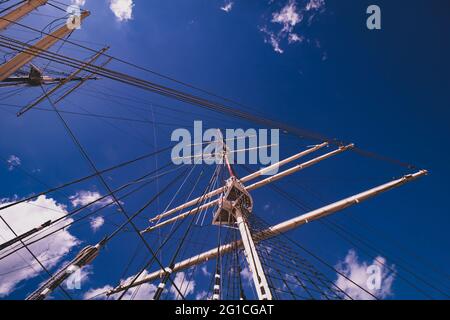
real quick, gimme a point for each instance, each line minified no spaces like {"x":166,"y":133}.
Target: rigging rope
{"x":181,"y":96}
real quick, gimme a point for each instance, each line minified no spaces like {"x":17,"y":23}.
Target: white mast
{"x":234,"y":207}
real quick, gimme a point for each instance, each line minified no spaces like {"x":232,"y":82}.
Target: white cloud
{"x":183,"y":284}
{"x":272,"y":39}
{"x":202,"y":295}
{"x":97,"y":223}
{"x":358,"y":273}
{"x":205,"y":271}
{"x":293,"y":37}
{"x":145,"y":291}
{"x":289,"y":17}
{"x":228,"y":6}
{"x":247,"y":274}
{"x":85,"y":197}
{"x":13,"y":162}
{"x":50,"y":251}
{"x":79,"y":3}
{"x":97,"y":293}
{"x":122,"y":9}
{"x":315,"y":5}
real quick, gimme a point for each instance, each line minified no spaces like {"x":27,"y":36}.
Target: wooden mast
{"x":63,"y":82}
{"x":21,"y":59}
{"x":20,"y":12}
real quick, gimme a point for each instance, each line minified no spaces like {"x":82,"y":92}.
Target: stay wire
{"x":175,"y":255}
{"x":83,"y":152}
{"x":84,"y":206}
{"x":73,"y":222}
{"x":35,"y":257}
{"x":184,"y":97}
{"x":120,"y":165}
{"x":309,"y":252}
{"x":150,"y":262}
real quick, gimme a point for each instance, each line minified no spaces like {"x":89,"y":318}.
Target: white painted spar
{"x":252,"y":176}
{"x":279,"y":228}
{"x":254,"y":186}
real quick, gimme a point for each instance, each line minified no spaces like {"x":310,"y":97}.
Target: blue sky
{"x":385,"y":90}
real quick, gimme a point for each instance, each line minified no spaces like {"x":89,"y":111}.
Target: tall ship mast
{"x":170,"y":226}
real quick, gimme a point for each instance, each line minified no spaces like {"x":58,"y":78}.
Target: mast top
{"x":235,"y":197}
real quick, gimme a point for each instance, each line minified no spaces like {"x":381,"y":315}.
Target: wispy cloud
{"x":205,"y":271}
{"x":202,"y":295}
{"x":13,"y":162}
{"x":358,"y":272}
{"x":293,"y":37}
{"x":227,"y":7}
{"x":79,"y":3}
{"x":145,"y":291}
{"x":289,"y":17}
{"x":85,"y":197}
{"x":96,"y":223}
{"x":185,"y":285}
{"x":247,"y":274}
{"x":314,"y":5}
{"x":272,"y":39}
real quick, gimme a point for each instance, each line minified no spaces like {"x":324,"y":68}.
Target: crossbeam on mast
{"x":20,"y":12}
{"x":277,"y":229}
{"x":81,"y":82}
{"x":243,"y":180}
{"x":254,"y":186}
{"x":63,"y":82}
{"x":21,"y":59}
